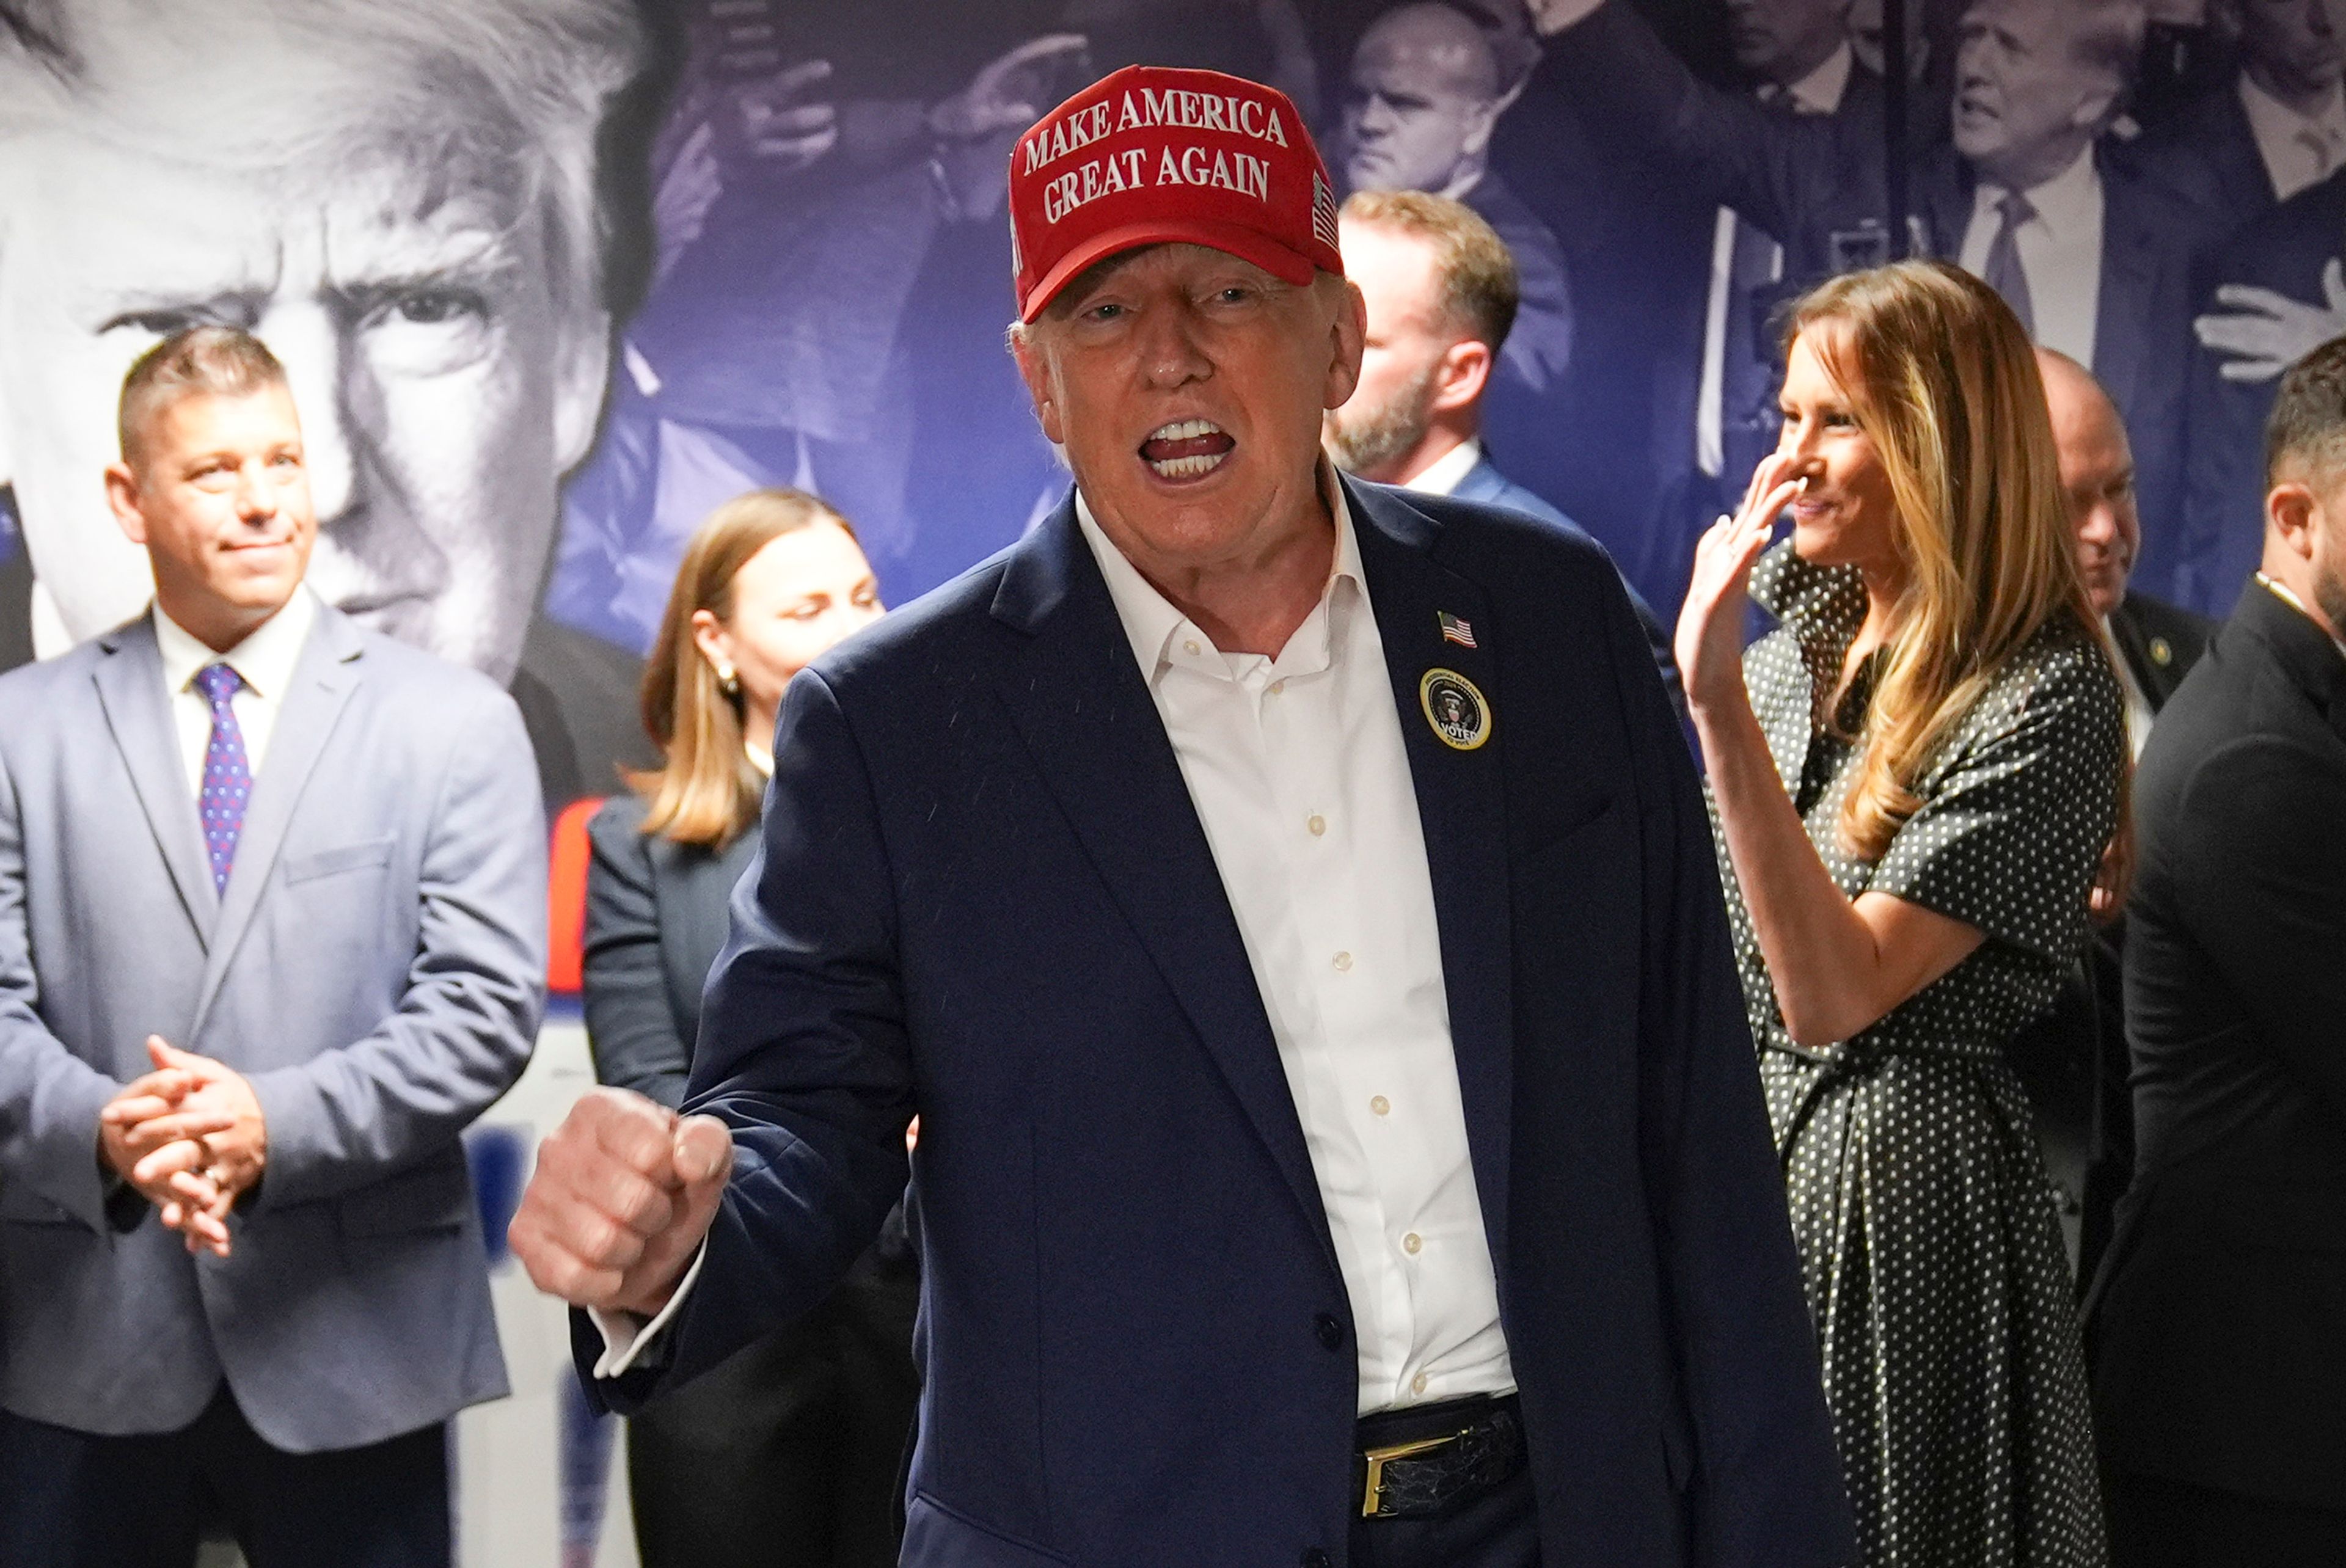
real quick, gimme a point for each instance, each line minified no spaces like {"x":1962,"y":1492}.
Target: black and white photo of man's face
{"x":444,"y":384}
{"x":1424,"y":98}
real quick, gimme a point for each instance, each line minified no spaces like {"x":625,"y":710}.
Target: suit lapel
{"x":1462,"y":810}
{"x":139,"y":716}
{"x":1081,"y":705}
{"x":324,"y":679}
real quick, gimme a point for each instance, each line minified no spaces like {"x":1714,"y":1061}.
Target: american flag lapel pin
{"x":1454,"y":630}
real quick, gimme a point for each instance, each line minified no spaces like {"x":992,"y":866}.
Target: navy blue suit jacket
{"x":1485,"y":484}
{"x":984,"y":896}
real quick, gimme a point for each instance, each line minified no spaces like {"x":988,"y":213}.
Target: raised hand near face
{"x":1710,"y":641}
{"x":623,"y":1191}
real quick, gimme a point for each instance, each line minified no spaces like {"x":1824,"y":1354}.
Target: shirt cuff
{"x":624,"y":1340}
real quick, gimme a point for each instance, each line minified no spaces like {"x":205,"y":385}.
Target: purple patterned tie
{"x":228,"y":780}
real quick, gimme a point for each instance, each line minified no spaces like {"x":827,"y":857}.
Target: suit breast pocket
{"x":367,"y":854}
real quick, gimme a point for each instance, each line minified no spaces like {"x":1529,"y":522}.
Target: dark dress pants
{"x":788,"y":1454}
{"x":2160,"y":1523}
{"x":76,"y":1500}
{"x":1497,"y":1530}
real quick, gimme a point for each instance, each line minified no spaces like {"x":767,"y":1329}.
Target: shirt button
{"x":1330,"y":1332}
{"x":1277,"y":686}
{"x":1190,"y":648}
{"x":1412,"y":1243}
{"x":1381,"y":1105}
{"x":1344,"y":962}
{"x":1417,"y":1384}
{"x":1317,"y":823}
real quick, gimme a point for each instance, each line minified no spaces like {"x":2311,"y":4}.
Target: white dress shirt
{"x":1300,"y":778}
{"x":2140,"y":714}
{"x":263,"y":661}
{"x":2298,"y":150}
{"x":1299,"y":775}
{"x":2060,"y":252}
{"x":1446,"y":472}
{"x":1818,"y":93}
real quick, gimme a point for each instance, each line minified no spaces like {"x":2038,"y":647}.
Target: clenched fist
{"x":623,"y":1193}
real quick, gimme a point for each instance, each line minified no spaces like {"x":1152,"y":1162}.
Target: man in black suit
{"x":2073,"y":1059}
{"x":2218,"y":1325}
{"x":2096,"y":256}
{"x":2277,"y":126}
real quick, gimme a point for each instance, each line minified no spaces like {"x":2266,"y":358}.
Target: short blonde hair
{"x":1480,"y":290}
{"x":201,"y":362}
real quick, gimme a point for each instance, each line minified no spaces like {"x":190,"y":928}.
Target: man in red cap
{"x":1289,"y":909}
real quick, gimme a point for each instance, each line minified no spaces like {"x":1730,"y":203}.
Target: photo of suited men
{"x":2274,"y":126}
{"x":273,"y":935}
{"x":406,"y":201}
{"x":2024,"y":191}
{"x":2278,"y":292}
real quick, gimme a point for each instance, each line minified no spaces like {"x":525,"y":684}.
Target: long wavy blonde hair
{"x":1942,"y":379}
{"x":708,"y":793}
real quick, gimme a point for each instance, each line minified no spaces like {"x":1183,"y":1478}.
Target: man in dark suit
{"x":2275,"y":125}
{"x":273,"y":932}
{"x":2074,"y":1060}
{"x":2217,"y":1326}
{"x":2096,"y":257}
{"x":1440,"y":288}
{"x":1291,"y":912}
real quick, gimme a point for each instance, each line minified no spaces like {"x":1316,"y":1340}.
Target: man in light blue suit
{"x":272,"y":934}
{"x":1441,"y":288}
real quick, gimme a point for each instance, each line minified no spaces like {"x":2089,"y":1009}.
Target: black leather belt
{"x":1424,"y":1461}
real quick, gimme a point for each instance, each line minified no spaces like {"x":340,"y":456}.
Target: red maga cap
{"x":1152,"y":156}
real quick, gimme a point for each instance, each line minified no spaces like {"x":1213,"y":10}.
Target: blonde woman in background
{"x":1914,"y":779}
{"x":787,"y":1455}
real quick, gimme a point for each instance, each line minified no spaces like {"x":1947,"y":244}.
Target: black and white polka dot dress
{"x":1925,"y":1219}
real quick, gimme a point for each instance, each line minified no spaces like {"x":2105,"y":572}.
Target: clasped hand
{"x":1709,"y":639}
{"x":190,"y":1138}
{"x":622,"y":1192}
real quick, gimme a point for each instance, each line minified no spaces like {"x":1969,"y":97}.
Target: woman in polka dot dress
{"x":1913,"y":782}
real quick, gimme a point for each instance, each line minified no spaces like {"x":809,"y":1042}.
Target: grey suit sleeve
{"x":631,"y":1023}
{"x":50,"y":1098}
{"x":475,"y":988}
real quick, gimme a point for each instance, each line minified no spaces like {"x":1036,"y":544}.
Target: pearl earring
{"x":727,"y":680}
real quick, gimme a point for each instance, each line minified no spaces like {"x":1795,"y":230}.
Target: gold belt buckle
{"x":1379,"y":1458}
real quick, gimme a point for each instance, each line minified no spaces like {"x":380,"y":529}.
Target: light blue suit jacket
{"x":375,"y":969}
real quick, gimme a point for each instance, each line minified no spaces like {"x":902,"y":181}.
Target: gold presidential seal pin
{"x":1456,"y":709}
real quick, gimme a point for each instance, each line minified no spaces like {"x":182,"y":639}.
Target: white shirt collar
{"x":2277,"y":126}
{"x":264,"y":660}
{"x":1446,"y":472}
{"x":1822,"y":90}
{"x":2063,"y":204}
{"x":1152,"y":623}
